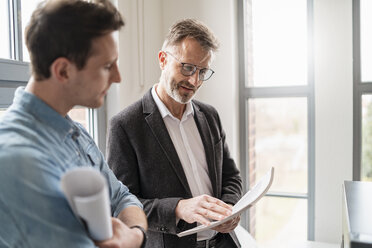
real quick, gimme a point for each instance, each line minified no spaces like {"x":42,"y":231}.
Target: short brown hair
{"x":191,"y":28}
{"x":66,"y":28}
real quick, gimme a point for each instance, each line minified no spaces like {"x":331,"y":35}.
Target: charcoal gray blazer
{"x":141,"y":154}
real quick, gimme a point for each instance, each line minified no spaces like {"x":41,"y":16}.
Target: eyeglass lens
{"x":190,"y":69}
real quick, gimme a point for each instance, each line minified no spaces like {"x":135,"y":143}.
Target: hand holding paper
{"x":87,"y":193}
{"x":201,"y":208}
{"x":228,"y":226}
{"x":250,"y":198}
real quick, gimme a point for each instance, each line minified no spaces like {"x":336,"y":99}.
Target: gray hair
{"x":191,"y":28}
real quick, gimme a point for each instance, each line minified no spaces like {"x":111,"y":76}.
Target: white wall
{"x":221,"y":90}
{"x":139,"y":43}
{"x":333,"y":113}
{"x":158,"y":16}
{"x":333,"y":83}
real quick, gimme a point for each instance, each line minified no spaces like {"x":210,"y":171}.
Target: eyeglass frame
{"x":195,"y":68}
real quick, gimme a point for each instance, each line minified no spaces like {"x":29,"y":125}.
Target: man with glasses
{"x":170,"y":150}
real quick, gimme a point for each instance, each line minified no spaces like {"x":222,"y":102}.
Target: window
{"x":366,"y":40}
{"x":4,"y":26}
{"x":2,"y":111}
{"x":81,"y":115}
{"x":279,"y":45}
{"x":277,"y":117}
{"x":28,"y":7}
{"x":14,"y":66}
{"x":362,"y":26}
{"x":366,"y":170}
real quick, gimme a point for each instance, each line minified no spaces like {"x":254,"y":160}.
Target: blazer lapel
{"x":157,"y":126}
{"x":206,"y":136}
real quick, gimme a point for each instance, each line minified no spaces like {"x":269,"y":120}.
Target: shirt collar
{"x":43,"y":112}
{"x":164,"y":111}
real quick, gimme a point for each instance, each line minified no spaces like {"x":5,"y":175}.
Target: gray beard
{"x":173,"y":93}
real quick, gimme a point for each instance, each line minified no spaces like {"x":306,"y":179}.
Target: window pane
{"x":278,"y":47}
{"x":2,"y":111}
{"x":366,"y":170}
{"x":81,"y":115}
{"x":366,"y":40}
{"x":27,"y":7}
{"x":4,"y":27}
{"x":277,"y":222}
{"x":278,"y":137}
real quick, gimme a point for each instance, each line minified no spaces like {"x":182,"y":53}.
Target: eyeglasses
{"x":190,"y":69}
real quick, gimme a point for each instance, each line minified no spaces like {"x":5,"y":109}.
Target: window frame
{"x":14,"y":73}
{"x":359,"y":89}
{"x":246,"y":93}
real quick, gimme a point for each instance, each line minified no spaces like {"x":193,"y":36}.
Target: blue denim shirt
{"x":37,"y":146}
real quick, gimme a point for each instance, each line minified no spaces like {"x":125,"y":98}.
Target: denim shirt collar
{"x":43,"y":112}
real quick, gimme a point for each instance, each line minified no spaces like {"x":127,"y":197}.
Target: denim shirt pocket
{"x":93,"y":154}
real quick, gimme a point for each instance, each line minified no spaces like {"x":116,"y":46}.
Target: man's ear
{"x":62,"y":69}
{"x":162,"y":56}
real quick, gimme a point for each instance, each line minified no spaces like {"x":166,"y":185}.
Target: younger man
{"x":74,"y":62}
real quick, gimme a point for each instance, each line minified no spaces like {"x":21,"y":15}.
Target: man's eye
{"x":188,"y":67}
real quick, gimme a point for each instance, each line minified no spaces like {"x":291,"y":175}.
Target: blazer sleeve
{"x":122,"y":159}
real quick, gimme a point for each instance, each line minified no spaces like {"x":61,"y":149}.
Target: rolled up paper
{"x":87,"y":193}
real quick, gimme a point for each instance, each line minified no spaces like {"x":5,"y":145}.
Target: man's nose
{"x":115,"y":74}
{"x":194,"y":79}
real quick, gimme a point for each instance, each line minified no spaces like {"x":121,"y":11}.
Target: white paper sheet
{"x":245,"y":238}
{"x":87,"y":193}
{"x":250,"y":198}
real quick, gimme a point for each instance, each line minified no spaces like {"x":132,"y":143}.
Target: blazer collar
{"x":156,"y":123}
{"x":158,"y":128}
{"x":206,"y":136}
